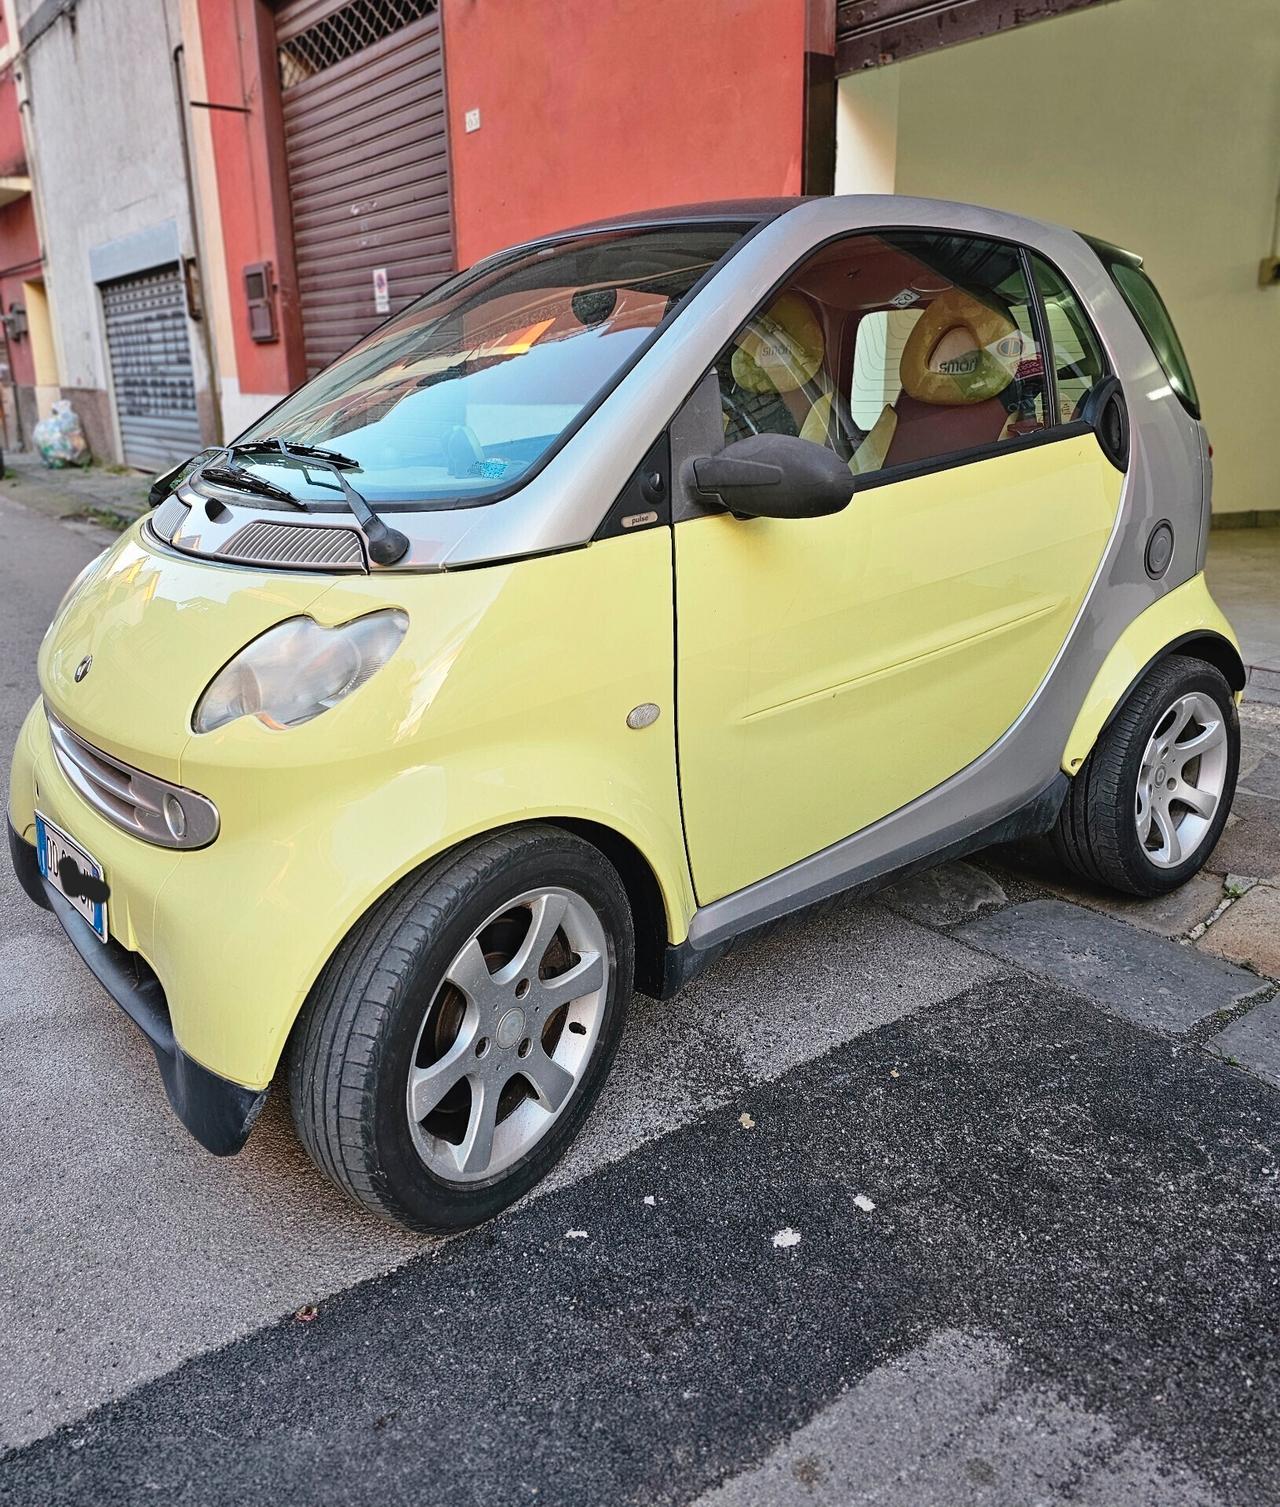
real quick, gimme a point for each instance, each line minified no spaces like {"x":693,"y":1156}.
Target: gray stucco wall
{"x":106,"y":144}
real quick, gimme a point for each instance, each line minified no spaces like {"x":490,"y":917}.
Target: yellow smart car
{"x":635,"y":588}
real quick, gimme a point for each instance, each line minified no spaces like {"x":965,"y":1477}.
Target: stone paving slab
{"x":1249,"y":932}
{"x":1264,"y":777}
{"x":1156,"y":983}
{"x":1264,"y":685}
{"x":1172,"y":915}
{"x":1253,"y":1041}
{"x":1251,"y":842}
{"x":943,"y":896}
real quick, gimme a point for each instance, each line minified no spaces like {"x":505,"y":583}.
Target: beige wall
{"x":1151,"y":123}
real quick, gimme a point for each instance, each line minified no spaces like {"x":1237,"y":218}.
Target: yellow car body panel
{"x":506,"y":702}
{"x":1187,"y":610}
{"x":831,"y":669}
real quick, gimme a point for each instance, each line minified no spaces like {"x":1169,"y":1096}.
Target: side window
{"x":1077,"y":357}
{"x":893,"y":349}
{"x":778,"y":376}
{"x":1143,"y":298}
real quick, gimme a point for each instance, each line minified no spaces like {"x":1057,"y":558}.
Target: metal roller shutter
{"x":872,"y":32}
{"x":364,"y":118}
{"x":146,"y":320}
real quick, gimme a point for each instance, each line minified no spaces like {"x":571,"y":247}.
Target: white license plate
{"x":52,"y":847}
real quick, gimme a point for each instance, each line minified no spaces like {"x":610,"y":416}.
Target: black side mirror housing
{"x":776,"y":476}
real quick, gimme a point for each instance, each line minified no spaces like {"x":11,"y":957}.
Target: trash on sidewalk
{"x":60,"y":438}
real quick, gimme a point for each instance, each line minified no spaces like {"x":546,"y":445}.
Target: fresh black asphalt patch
{"x":1104,"y":1201}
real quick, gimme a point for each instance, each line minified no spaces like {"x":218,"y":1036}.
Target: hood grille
{"x":263,"y":543}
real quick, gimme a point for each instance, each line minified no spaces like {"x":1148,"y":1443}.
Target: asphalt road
{"x":1038,"y":1221}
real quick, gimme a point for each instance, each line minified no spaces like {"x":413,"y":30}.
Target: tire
{"x":386,"y":1011}
{"x":1098,"y":830}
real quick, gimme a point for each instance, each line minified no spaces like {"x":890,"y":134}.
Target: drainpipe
{"x":818,"y":158}
{"x":206,"y":336}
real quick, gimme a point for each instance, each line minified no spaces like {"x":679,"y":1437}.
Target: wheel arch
{"x":648,"y":908}
{"x":1185,"y":620}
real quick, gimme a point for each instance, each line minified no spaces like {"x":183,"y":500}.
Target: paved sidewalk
{"x":112,"y":496}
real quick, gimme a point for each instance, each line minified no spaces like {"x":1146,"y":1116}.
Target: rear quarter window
{"x":1148,"y":308}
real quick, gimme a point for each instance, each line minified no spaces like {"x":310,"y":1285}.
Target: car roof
{"x":718,"y":211}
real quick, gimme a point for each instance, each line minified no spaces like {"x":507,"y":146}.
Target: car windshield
{"x":461,"y":396}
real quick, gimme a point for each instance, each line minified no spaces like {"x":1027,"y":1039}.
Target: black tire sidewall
{"x":1151,"y":878}
{"x":424,"y":1199}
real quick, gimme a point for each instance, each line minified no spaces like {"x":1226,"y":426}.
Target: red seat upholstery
{"x":924,"y":429}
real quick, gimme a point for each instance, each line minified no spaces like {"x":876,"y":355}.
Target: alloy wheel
{"x":1181,"y":779}
{"x":508,"y":1034}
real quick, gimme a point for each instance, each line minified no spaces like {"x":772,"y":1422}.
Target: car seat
{"x":780,"y":355}
{"x":956,"y":363}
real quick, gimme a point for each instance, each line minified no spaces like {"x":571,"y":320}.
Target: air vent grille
{"x":262,"y":543}
{"x":168,"y":518}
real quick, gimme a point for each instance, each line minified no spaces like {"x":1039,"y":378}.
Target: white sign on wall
{"x":381,"y":291}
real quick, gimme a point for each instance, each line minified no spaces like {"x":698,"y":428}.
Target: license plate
{"x":52,"y":847}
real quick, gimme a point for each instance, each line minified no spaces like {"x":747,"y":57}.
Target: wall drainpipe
{"x":206,"y":336}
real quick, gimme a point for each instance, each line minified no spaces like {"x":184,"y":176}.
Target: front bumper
{"x":217,"y":1112}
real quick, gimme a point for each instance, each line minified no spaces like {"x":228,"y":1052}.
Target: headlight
{"x":299,"y":669}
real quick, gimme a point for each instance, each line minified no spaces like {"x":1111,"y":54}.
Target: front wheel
{"x":1150,"y":802}
{"x":454,"y":1044}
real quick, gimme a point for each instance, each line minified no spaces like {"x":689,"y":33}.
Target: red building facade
{"x":22,"y":300}
{"x":354,"y":152}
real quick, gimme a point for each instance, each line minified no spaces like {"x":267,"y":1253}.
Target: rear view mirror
{"x":776,"y":476}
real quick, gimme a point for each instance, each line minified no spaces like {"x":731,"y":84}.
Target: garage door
{"x":364,"y":118}
{"x":155,"y":390}
{"x":872,"y":32}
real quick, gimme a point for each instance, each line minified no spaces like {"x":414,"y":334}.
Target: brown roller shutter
{"x":872,"y":32}
{"x":364,"y":118}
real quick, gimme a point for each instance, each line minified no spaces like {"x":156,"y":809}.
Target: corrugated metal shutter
{"x":368,"y":163}
{"x":872,"y":32}
{"x":146,"y":319}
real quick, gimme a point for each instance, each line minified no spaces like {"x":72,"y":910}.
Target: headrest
{"x":780,"y":349}
{"x":960,"y":351}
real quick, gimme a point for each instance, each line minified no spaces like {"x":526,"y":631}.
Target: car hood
{"x":147,"y":631}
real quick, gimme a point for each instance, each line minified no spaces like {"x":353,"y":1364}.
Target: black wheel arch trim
{"x":1222,"y":655}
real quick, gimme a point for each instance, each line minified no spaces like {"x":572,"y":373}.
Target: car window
{"x":1140,"y":293}
{"x":1077,"y":356}
{"x":892,"y":349}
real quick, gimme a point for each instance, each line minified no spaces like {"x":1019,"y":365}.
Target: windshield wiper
{"x":274,"y":444}
{"x":242,"y":481}
{"x":386,"y":545}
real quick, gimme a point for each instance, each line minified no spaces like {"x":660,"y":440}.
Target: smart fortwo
{"x":635,"y":588}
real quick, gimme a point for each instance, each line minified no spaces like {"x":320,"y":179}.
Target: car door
{"x":830,"y":670}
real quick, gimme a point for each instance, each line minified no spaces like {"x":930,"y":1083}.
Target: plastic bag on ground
{"x":60,"y":439}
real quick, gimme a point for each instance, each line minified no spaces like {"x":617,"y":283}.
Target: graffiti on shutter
{"x":151,"y":375}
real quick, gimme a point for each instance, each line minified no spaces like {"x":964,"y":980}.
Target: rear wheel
{"x":1151,"y":800}
{"x":455,"y":1043}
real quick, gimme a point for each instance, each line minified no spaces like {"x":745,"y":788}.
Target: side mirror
{"x":776,"y":476}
